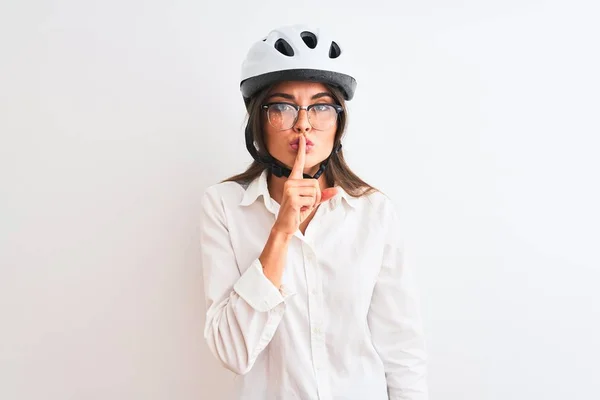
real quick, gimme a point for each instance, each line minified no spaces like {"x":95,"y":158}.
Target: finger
{"x":305,"y":212}
{"x":301,"y":191}
{"x":304,"y":201}
{"x":303,"y":182}
{"x":328,"y":193}
{"x":307,"y":191}
{"x":318,"y":192}
{"x":298,"y":169}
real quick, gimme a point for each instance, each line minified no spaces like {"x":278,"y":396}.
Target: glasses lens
{"x":281,"y":116}
{"x":322,"y":116}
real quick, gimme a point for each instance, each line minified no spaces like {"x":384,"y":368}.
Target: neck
{"x":276,"y":183}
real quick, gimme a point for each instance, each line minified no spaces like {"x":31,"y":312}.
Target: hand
{"x":300,"y":196}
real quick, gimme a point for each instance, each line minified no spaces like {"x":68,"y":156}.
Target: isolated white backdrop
{"x":479,"y":118}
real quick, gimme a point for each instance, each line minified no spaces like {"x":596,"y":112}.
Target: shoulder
{"x":388,"y":216}
{"x":374,"y":209}
{"x":225,"y":193}
{"x":377,"y":202}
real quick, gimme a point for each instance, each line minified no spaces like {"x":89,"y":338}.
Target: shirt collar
{"x":259,"y":187}
{"x":345,"y":196}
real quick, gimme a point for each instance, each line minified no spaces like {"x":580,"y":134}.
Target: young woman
{"x":307,"y":293}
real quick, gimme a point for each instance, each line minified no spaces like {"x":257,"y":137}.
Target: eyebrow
{"x":291,"y":97}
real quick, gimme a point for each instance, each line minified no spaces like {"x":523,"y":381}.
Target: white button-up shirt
{"x":346,"y":322}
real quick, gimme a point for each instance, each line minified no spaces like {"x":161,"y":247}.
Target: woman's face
{"x":318,"y":126}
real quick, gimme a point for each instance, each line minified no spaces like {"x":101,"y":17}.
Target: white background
{"x":479,"y":118}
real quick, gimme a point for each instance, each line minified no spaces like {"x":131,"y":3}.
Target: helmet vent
{"x":334,"y":50}
{"x":284,"y":48}
{"x":309,"y":38}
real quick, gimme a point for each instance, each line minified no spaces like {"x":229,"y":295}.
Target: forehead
{"x":299,"y":88}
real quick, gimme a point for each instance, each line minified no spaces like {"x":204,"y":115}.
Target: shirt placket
{"x":316,"y":319}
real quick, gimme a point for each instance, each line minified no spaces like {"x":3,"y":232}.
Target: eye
{"x":281,"y":107}
{"x":322,"y":108}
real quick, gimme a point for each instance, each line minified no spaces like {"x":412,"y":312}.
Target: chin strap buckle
{"x":278,"y":170}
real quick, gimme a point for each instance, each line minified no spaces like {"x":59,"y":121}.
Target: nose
{"x":302,"y":123}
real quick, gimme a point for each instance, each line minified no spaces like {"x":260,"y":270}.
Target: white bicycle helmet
{"x":296,"y":52}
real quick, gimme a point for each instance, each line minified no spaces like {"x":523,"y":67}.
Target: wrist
{"x":280,"y":237}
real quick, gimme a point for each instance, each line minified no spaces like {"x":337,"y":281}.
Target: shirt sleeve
{"x":395,"y":322}
{"x":243,"y":310}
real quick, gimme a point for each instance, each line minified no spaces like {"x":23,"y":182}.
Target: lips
{"x":295,"y":144}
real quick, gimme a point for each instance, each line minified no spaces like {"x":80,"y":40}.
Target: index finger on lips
{"x":298,"y":169}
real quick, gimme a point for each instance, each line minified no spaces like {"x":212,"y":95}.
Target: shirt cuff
{"x":257,"y":290}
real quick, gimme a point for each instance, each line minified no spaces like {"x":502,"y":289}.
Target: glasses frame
{"x":338,"y":109}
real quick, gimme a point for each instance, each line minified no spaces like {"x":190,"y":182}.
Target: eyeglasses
{"x":283,"y":116}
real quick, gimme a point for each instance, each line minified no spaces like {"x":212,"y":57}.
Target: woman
{"x":307,"y":293}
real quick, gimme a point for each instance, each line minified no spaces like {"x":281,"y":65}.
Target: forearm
{"x":236,"y":332}
{"x":274,"y":255}
{"x":243,"y":311}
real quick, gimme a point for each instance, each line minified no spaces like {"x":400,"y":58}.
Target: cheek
{"x":327,"y":141}
{"x":268,"y":137}
{"x":274,"y":141}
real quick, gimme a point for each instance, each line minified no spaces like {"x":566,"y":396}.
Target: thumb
{"x":328,"y":193}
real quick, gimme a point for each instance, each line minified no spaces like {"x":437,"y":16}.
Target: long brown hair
{"x":338,"y":173}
